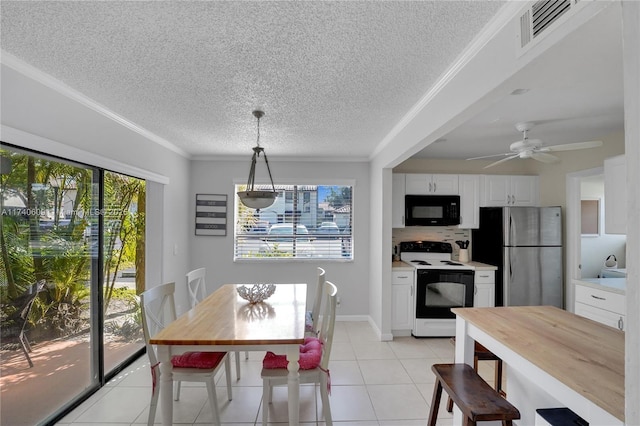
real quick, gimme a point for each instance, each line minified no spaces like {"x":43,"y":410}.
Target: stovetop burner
{"x":420,"y":262}
{"x":448,"y":262}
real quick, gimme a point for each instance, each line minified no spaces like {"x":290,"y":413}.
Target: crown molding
{"x":58,"y":86}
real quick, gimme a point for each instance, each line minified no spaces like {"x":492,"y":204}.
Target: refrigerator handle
{"x":510,"y":230}
{"x":510,"y":270}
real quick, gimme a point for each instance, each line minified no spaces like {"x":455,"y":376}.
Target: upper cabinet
{"x":427,"y":184}
{"x":397,"y":197}
{"x":615,"y":195}
{"x":475,"y":191}
{"x":469,"y":186}
{"x":505,"y":190}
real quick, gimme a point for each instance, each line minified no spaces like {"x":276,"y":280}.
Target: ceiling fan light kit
{"x":533,"y":148}
{"x":252,"y":198}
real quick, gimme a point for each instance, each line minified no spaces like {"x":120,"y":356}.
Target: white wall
{"x":216,"y":253}
{"x":631,"y":48}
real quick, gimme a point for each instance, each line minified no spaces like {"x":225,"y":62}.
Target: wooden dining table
{"x":553,"y":359}
{"x":226,"y":322}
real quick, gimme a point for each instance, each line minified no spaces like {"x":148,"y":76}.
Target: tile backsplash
{"x":431,"y":233}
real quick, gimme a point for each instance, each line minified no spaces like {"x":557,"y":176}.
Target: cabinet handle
{"x":483,"y":276}
{"x":620,"y":324}
{"x":508,"y":199}
{"x":475,"y":289}
{"x":513,"y":199}
{"x":597,"y":297}
{"x":403,"y":276}
{"x":403,"y":220}
{"x":434,"y":187}
{"x":430,"y":187}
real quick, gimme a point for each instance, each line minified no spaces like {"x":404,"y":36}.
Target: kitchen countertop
{"x":614,"y":285}
{"x":584,"y":357}
{"x":398,"y":265}
{"x":482,"y":266}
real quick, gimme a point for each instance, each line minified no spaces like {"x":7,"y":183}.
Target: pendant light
{"x":252,"y":198}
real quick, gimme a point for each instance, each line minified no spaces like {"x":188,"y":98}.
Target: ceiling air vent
{"x":525,"y":28}
{"x":546,"y":12}
{"x":540,"y":16}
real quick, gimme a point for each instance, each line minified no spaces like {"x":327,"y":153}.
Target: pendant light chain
{"x":258,"y":116}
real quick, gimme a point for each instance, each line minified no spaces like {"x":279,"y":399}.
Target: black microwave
{"x":431,"y":210}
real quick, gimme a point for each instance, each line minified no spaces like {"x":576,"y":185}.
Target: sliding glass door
{"x":69,"y":281}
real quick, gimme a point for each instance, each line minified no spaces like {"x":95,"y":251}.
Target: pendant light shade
{"x":252,"y":198}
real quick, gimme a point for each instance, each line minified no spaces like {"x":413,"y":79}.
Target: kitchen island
{"x":554,"y":359}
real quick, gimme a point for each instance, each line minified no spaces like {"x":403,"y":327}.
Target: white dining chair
{"x":318,"y":374}
{"x":312,"y":317}
{"x":158,"y":309}
{"x":197,"y":289}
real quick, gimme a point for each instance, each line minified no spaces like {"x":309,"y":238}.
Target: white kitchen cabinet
{"x":397,"y":200}
{"x":469,"y":188}
{"x":615,"y":195}
{"x":402,"y":300}
{"x":600,"y":305}
{"x":431,"y":184}
{"x":509,"y":190}
{"x":485,"y":289}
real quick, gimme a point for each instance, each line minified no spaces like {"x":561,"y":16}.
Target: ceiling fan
{"x":533,"y":148}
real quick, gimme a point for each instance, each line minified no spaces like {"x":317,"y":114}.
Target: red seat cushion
{"x":310,"y":356}
{"x":197,"y":359}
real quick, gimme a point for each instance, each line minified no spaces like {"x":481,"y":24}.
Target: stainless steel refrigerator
{"x":525,"y":243}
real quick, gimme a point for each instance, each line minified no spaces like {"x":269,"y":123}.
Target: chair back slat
{"x":196,"y":286}
{"x":317,"y":302}
{"x":328,"y":322}
{"x":158,"y":310}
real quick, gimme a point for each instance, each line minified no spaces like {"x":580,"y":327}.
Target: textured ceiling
{"x":333,"y":77}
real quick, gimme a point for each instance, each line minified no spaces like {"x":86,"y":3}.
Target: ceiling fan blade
{"x":571,"y":146}
{"x":489,"y":156}
{"x":544,"y":157}
{"x":501,"y":161}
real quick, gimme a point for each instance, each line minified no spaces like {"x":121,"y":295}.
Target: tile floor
{"x":373,"y":384}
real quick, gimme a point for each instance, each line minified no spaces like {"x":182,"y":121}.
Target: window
{"x":305,"y":222}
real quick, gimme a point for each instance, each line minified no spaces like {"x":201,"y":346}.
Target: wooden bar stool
{"x":476,"y":399}
{"x":480,"y":353}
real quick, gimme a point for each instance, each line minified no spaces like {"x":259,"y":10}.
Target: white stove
{"x":440,"y":284}
{"x":430,"y":255}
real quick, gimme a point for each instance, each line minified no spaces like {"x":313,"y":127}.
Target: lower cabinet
{"x":402,"y":300}
{"x":484,"y":289}
{"x":603,"y":306}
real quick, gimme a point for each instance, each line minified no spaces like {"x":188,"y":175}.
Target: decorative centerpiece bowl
{"x":256,"y":293}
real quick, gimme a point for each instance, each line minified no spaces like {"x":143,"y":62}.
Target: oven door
{"x":439,"y":290}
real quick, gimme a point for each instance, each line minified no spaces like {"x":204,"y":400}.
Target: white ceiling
{"x":333,"y":77}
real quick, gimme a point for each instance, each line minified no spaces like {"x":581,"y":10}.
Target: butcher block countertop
{"x":586,"y":356}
